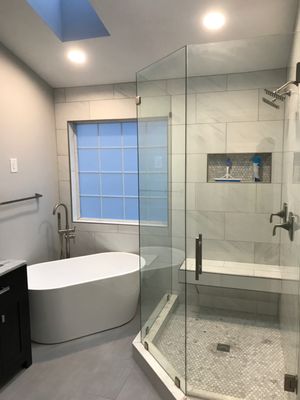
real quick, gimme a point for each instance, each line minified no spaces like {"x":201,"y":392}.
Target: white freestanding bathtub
{"x":79,"y":296}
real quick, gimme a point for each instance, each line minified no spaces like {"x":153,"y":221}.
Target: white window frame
{"x":74,"y":181}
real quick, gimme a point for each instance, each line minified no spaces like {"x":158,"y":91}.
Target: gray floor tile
{"x":137,"y":387}
{"x":97,"y":367}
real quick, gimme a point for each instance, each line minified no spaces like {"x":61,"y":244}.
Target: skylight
{"x":70,"y":19}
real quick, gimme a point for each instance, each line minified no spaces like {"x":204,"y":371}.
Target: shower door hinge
{"x":177,"y":382}
{"x":138,"y":100}
{"x":291,"y":383}
{"x":170,"y":114}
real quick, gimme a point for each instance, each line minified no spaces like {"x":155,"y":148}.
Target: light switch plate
{"x":13,"y":165}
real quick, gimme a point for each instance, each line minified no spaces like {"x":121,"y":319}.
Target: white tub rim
{"x":45,"y":285}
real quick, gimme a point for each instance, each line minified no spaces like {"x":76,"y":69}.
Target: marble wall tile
{"x":116,"y":242}
{"x":191,"y":196}
{"x":125,"y":90}
{"x":112,"y":109}
{"x":178,"y":196}
{"x":176,"y":86}
{"x":258,"y":136}
{"x":62,"y":142}
{"x":76,"y":111}
{"x":266,"y":253}
{"x":63,"y":168}
{"x":268,"y":198}
{"x":292,"y":134}
{"x":96,"y":227}
{"x":241,"y":105}
{"x":182,"y":113}
{"x":206,"y":138}
{"x":196,"y":165}
{"x":85,"y":93}
{"x":249,"y":227}
{"x":152,"y":88}
{"x":257,"y":79}
{"x":225,"y":197}
{"x":157,"y":106}
{"x":64,"y":193}
{"x":210,"y":224}
{"x":226,"y":250}
{"x":276,"y":176}
{"x":178,"y":139}
{"x":84,"y":244}
{"x":211,"y":83}
{"x":178,"y":168}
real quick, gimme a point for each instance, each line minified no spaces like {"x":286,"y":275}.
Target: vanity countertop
{"x":9,"y":265}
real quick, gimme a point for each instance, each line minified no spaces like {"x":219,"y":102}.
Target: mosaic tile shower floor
{"x":252,"y":370}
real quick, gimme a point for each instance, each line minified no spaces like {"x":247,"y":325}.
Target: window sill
{"x":113,"y":222}
{"x":105,"y":222}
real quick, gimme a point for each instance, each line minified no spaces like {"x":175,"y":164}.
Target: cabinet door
{"x":15,"y":347}
{"x":12,"y":347}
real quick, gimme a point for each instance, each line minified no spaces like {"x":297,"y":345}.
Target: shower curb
{"x":155,"y":373}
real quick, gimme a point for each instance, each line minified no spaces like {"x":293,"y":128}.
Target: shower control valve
{"x":282,"y":214}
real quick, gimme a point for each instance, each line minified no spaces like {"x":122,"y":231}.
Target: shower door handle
{"x":198,"y":246}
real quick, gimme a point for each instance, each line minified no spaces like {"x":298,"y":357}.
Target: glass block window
{"x":104,"y":171}
{"x":107,"y":170}
{"x":153,"y":180}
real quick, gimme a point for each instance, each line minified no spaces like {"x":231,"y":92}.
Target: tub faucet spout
{"x":64,"y":234}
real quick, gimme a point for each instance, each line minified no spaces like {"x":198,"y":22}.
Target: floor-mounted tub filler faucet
{"x":66,"y":234}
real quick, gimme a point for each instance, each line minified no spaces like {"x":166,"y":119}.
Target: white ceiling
{"x":142,"y":31}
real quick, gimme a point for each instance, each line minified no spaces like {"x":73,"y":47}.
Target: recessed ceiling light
{"x":77,"y":56}
{"x":214,"y":20}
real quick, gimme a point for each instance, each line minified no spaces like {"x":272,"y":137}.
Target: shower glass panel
{"x":238,"y":342}
{"x":218,"y":155}
{"x":161,"y":143}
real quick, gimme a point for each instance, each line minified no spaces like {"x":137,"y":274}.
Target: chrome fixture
{"x":282,"y":213}
{"x":281,"y":93}
{"x":291,"y":226}
{"x":66,"y":234}
{"x":277,"y":95}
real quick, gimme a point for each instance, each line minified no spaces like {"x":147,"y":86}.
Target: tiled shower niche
{"x":242,"y":167}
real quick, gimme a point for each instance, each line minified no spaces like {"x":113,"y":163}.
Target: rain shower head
{"x":282,"y":92}
{"x":275,"y":95}
{"x":270,"y":102}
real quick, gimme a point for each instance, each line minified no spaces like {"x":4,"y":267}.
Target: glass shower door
{"x":161,"y":141}
{"x":242,"y":277}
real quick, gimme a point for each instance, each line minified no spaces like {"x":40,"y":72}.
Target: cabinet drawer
{"x":13,"y":284}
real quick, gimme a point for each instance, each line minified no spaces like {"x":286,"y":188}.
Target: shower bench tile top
{"x":250,"y":276}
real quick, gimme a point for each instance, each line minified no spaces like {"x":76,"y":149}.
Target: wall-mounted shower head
{"x":270,"y":102}
{"x":282,"y":92}
{"x":275,"y":95}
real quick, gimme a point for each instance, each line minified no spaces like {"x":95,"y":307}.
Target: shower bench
{"x":237,"y":275}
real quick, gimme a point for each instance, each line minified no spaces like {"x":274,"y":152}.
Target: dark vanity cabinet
{"x":15,"y":344}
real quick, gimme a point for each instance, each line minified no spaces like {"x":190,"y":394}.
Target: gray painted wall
{"x":27,"y":132}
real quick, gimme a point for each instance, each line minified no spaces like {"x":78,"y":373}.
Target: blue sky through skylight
{"x":70,"y":19}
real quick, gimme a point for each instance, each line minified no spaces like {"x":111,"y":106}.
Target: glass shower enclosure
{"x":219,"y":205}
